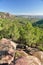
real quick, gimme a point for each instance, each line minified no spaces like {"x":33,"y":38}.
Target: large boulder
{"x":7,"y":51}
{"x":39,"y":55}
{"x":4,"y":41}
{"x":31,"y":60}
{"x":26,"y":59}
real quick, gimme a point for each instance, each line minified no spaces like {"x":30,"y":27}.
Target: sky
{"x":22,"y":7}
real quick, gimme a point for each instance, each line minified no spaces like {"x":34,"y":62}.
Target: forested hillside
{"x":21,"y":30}
{"x":39,"y":23}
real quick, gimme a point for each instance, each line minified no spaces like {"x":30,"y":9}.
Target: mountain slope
{"x":39,"y":23}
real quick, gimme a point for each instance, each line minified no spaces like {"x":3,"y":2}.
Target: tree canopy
{"x":23,"y":32}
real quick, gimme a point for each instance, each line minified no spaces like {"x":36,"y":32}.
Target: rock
{"x":39,"y":55}
{"x":26,"y":59}
{"x":31,"y":60}
{"x":20,"y":53}
{"x":12,"y":63}
{"x":10,"y":56}
{"x":7,"y":51}
{"x":30,"y":50}
{"x":4,"y":40}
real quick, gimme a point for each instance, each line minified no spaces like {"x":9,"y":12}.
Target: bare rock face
{"x":7,"y":41}
{"x":19,"y":54}
{"x":39,"y":55}
{"x":27,"y":60}
{"x":7,"y":51}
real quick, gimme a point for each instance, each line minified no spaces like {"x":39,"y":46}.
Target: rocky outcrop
{"x":27,"y":60}
{"x":7,"y":51}
{"x":6,"y":15}
{"x":9,"y":42}
{"x":9,"y":55}
{"x":39,"y":55}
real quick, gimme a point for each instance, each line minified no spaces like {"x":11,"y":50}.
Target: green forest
{"x":22,"y":31}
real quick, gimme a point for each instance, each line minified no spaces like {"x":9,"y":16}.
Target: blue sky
{"x":34,"y":7}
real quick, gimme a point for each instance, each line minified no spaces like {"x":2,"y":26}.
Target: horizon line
{"x":34,"y":14}
{"x":28,"y":14}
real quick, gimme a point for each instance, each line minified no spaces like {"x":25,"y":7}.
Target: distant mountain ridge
{"x":30,"y":16}
{"x":37,"y":20}
{"x":4,"y":15}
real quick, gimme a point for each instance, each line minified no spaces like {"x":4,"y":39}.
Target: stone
{"x":39,"y":55}
{"x":26,"y":59}
{"x":31,"y":60}
{"x":7,"y":51}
